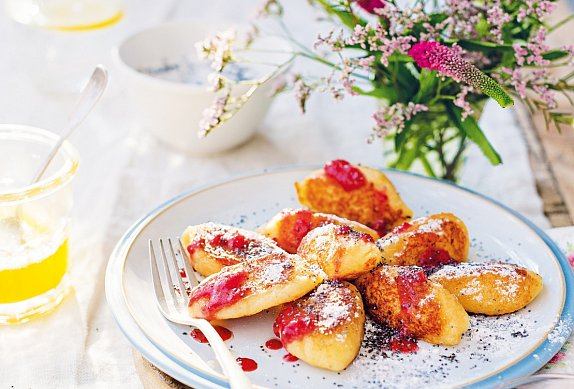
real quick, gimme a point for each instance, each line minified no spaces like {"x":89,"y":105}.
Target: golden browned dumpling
{"x":427,"y":241}
{"x":325,"y":327}
{"x":356,"y":193}
{"x":290,"y":226}
{"x":249,"y":287}
{"x":340,"y":251}
{"x":212,"y":246}
{"x":403,"y":298}
{"x":490,"y":288}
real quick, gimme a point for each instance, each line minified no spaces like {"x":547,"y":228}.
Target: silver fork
{"x":174,"y":307}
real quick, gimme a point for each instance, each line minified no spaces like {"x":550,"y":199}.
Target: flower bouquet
{"x":431,"y":65}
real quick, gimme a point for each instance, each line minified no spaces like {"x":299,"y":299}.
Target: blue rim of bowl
{"x":526,"y":366}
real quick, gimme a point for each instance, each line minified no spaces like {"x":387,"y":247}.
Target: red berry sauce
{"x":434,"y":259}
{"x":292,"y":323}
{"x":293,"y":229}
{"x":346,"y":175}
{"x":387,"y":338}
{"x":198,"y":336}
{"x":381,"y":227}
{"x":221,"y":292}
{"x":290,"y":358}
{"x":223,"y":332}
{"x":274,"y":344}
{"x":235,"y":242}
{"x":193,"y":246}
{"x":412,"y":287}
{"x":402,"y":228}
{"x":247,"y":364}
{"x":403,"y":344}
{"x":346,"y":230}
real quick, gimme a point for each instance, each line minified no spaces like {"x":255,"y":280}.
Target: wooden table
{"x":551,"y":151}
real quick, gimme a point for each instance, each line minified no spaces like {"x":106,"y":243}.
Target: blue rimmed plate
{"x":492,"y":350}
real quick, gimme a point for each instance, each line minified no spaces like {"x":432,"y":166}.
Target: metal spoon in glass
{"x":88,"y":99}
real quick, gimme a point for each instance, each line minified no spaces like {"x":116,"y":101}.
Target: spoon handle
{"x":88,"y":99}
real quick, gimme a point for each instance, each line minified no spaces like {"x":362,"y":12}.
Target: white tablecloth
{"x":125,"y":172}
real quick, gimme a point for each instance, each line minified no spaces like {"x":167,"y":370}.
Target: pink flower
{"x":497,"y":17}
{"x":460,"y":101}
{"x":536,"y":8}
{"x":538,"y":46}
{"x":370,"y":5}
{"x":213,"y":115}
{"x":517,"y":81}
{"x":520,"y":53}
{"x":434,"y":56}
{"x":394,"y":117}
{"x":546,"y":95}
{"x":366,"y":63}
{"x":388,"y":46}
{"x":359,"y":37}
{"x":346,"y":79}
{"x":571,"y":258}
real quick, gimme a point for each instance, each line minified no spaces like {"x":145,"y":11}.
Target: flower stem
{"x":329,"y":63}
{"x":561,"y":23}
{"x":450,"y":172}
{"x":427,"y":166}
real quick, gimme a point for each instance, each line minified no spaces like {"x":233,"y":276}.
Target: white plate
{"x":494,"y":349}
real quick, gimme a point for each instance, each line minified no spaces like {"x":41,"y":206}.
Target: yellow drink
{"x":34,"y":223}
{"x":68,"y":15}
{"x":35,"y":278}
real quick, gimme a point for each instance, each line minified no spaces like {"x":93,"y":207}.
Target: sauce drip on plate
{"x":223,"y":332}
{"x":247,"y":364}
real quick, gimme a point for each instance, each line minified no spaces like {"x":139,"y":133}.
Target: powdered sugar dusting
{"x":431,"y":225}
{"x":478,"y":269}
{"x":272,"y":273}
{"x":483,"y":346}
{"x":562,"y":330}
{"x":335,"y":304}
{"x":472,"y":289}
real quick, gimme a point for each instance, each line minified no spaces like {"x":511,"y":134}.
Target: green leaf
{"x":428,"y":84}
{"x":483,"y":46}
{"x":380,"y":92}
{"x":473,"y":132}
{"x":408,"y":83}
{"x":407,"y":156}
{"x":401,"y":137}
{"x":343,"y":14}
{"x":398,"y":57}
{"x":553,"y":55}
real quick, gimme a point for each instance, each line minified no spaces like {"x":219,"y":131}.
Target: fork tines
{"x":169,"y":279}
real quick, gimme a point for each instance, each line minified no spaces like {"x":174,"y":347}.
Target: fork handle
{"x":238,"y":379}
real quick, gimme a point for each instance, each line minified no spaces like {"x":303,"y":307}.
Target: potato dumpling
{"x":290,"y":226}
{"x":427,"y":241}
{"x":212,"y":246}
{"x":490,"y":288}
{"x":354,"y":192}
{"x":249,"y":287}
{"x":340,"y":251}
{"x":403,"y":298}
{"x":325,"y":327}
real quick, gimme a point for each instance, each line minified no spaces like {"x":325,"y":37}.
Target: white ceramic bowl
{"x":172,"y":110}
